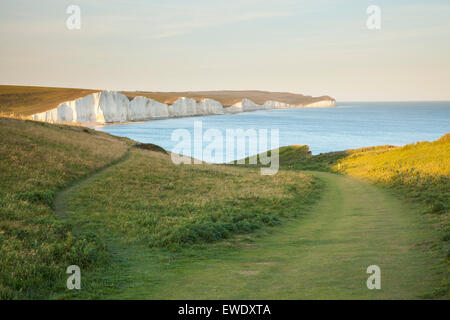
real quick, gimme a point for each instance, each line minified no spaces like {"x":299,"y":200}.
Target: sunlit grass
{"x":22,"y":101}
{"x":418,"y":173}
{"x":420,"y":170}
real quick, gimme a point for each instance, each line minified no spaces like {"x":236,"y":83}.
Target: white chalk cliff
{"x":113,"y":107}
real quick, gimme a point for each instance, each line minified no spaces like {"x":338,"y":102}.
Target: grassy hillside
{"x":25,"y":101}
{"x":321,"y":255}
{"x":36,"y":161}
{"x":143,"y":200}
{"x":144,"y":223}
{"x":419,"y":171}
{"x":150,"y":199}
{"x":177,"y":232}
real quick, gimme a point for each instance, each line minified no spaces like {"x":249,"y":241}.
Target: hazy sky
{"x":312,"y":47}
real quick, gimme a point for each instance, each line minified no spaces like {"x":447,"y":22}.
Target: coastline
{"x":109,"y":107}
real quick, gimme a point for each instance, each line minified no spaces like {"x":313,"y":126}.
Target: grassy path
{"x":323,"y":255}
{"x":59,"y":204}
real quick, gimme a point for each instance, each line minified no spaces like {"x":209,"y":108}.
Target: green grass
{"x":141,"y":227}
{"x":147,"y":206}
{"x":150,"y":199}
{"x":143,"y":200}
{"x":420,"y":170}
{"x":37,"y":160}
{"x":322,"y":253}
{"x":300,"y":158}
{"x":418,"y":173}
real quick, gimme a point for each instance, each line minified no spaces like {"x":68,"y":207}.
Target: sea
{"x":350,"y":125}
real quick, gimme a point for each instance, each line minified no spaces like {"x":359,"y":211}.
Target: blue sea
{"x":352,"y":125}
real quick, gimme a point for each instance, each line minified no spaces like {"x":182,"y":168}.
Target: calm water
{"x":354,"y":125}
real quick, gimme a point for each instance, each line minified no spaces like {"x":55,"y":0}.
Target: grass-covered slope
{"x":420,"y":171}
{"x":144,"y":227}
{"x":36,"y":161}
{"x":322,"y":255}
{"x":160,"y":221}
{"x":25,"y":101}
{"x":143,"y":200}
{"x":147,"y":198}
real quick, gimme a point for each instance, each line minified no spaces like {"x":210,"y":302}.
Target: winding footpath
{"x":321,"y":255}
{"x":59,"y":204}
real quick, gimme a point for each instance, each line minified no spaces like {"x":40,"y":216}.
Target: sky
{"x":317,"y":47}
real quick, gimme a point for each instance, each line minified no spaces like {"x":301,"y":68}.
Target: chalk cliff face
{"x":141,"y":108}
{"x":321,"y":104}
{"x":247,"y":105}
{"x":279,"y":105}
{"x":113,"y":107}
{"x":209,"y":106}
